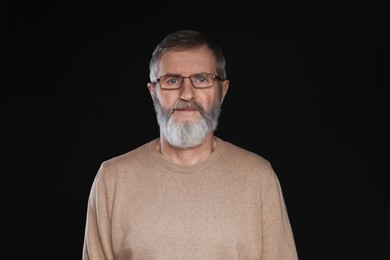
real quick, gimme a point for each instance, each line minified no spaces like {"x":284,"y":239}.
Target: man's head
{"x":188,"y":85}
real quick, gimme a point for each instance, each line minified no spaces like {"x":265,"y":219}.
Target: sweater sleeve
{"x":278,"y":240}
{"x":97,"y":240}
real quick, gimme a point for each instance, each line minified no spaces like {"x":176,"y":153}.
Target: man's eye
{"x":199,"y":78}
{"x":173,"y":80}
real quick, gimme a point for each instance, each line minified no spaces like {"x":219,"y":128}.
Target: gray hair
{"x":184,"y":40}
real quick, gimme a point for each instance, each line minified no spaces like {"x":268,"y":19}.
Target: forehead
{"x":186,"y":62}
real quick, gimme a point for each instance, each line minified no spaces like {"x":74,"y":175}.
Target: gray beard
{"x":187,"y":134}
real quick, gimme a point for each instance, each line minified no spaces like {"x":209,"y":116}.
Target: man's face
{"x":186,"y":115}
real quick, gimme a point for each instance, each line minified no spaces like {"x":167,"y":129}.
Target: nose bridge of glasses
{"x":190,"y":79}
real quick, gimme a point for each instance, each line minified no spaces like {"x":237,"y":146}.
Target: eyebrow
{"x":175,"y":74}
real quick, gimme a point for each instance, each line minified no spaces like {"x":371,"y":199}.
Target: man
{"x":187,"y":194}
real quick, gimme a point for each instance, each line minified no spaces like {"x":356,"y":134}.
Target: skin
{"x":186,"y":63}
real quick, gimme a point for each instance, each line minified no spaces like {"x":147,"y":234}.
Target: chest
{"x":189,"y":220}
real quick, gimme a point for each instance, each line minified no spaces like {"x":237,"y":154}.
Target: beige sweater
{"x":229,"y":206}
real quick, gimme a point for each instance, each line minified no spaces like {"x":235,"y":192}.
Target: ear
{"x":225,"y":87}
{"x":151,"y":87}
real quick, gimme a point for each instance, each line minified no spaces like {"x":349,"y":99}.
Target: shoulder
{"x":131,"y":161}
{"x":241,"y":156}
{"x":247,"y":167}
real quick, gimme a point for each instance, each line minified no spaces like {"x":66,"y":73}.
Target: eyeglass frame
{"x":189,"y":77}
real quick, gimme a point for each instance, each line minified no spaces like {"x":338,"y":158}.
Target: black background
{"x":305,"y":93}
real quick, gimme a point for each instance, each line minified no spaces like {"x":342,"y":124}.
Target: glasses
{"x":200,"y":80}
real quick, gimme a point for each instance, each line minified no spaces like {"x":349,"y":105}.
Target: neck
{"x":187,"y":156}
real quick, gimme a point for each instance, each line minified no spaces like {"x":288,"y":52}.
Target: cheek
{"x":209,"y":100}
{"x":166,"y":101}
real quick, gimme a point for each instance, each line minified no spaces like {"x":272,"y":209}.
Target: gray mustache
{"x":188,"y":105}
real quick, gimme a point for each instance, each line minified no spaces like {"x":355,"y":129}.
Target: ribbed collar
{"x":187,"y":169}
